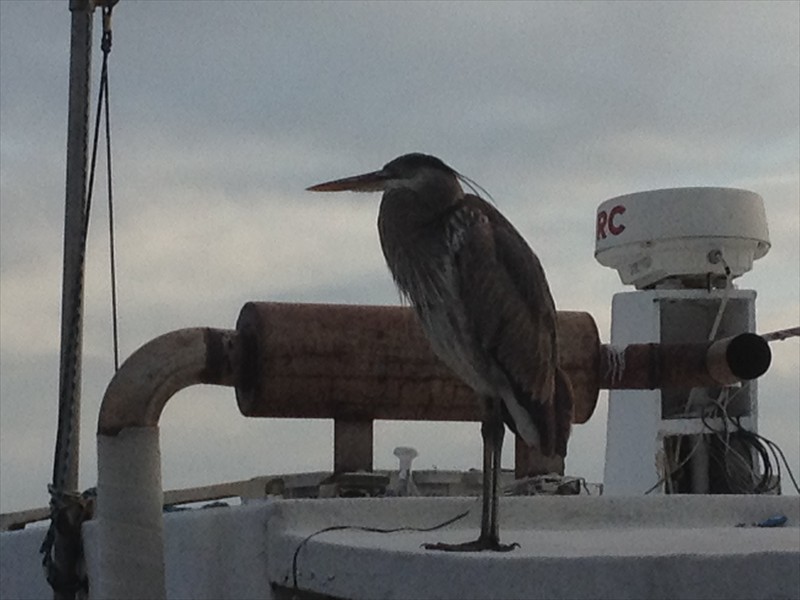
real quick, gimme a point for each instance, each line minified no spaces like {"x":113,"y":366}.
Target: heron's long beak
{"x":368,"y":182}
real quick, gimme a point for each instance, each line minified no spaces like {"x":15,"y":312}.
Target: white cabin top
{"x":681,"y":234}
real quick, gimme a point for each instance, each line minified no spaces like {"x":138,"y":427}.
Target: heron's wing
{"x":511,"y":311}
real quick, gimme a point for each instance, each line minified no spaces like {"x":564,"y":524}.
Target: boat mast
{"x":62,"y":543}
{"x":65,"y":467}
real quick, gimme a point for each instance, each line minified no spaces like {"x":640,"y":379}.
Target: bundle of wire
{"x":743,"y":445}
{"x":750,"y":462}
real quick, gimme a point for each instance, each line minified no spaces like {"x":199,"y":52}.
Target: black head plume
{"x":408,"y":163}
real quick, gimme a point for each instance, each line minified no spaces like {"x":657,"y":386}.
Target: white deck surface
{"x":570,"y":547}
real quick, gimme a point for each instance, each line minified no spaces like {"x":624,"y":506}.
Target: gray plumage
{"x":480,"y":294}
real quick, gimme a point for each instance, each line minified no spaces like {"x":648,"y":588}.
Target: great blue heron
{"x":482,"y":298}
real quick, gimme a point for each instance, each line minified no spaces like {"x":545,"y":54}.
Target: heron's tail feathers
{"x":563,"y":405}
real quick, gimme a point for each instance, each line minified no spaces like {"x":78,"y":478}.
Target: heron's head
{"x":416,"y":171}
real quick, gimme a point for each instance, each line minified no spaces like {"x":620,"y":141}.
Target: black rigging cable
{"x":106,"y":46}
{"x":103,"y":110}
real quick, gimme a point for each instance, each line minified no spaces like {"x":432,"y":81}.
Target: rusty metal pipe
{"x":359,"y":363}
{"x":663,"y":366}
{"x":368,"y":362}
{"x":373,"y":362}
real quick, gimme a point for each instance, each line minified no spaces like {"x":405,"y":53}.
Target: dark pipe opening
{"x":749,"y":356}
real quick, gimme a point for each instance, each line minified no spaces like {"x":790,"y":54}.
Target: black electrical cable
{"x":300,"y":546}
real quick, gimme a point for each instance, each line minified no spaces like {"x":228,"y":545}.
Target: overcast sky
{"x":223,"y":112}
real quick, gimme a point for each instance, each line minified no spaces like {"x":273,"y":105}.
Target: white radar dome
{"x":687,"y":234}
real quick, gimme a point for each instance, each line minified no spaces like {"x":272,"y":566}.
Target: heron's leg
{"x":488,"y":497}
{"x":494,"y":439}
{"x":492,"y":431}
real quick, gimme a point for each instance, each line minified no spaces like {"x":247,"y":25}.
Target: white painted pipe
{"x":130,"y":530}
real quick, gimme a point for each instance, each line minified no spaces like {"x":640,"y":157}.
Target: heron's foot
{"x":479,"y":545}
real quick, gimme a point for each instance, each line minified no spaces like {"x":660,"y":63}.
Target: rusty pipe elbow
{"x":162,"y":367}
